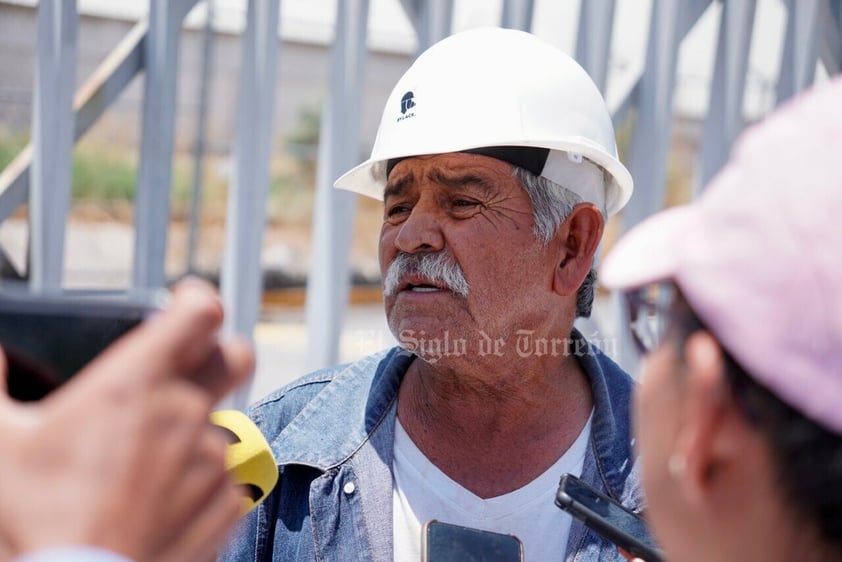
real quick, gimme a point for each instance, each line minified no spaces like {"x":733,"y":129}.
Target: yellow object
{"x":249,"y":459}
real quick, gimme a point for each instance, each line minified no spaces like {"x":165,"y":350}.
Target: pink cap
{"x":759,"y":254}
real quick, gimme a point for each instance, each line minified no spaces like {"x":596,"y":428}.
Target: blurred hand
{"x":123,"y":456}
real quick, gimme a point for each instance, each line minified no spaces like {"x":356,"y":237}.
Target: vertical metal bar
{"x":801,"y":48}
{"x":831,"y":41}
{"x":621,"y":105}
{"x":434,"y":23}
{"x":671,"y":20}
{"x":199,"y":152}
{"x":649,"y":145}
{"x":593,"y":49}
{"x":593,"y":41}
{"x":650,"y":139}
{"x":412,"y":9}
{"x":152,"y":198}
{"x":431,"y":19}
{"x":725,"y":116}
{"x":517,"y":14}
{"x":630,"y":93}
{"x":328,"y":282}
{"x":242,"y":279}
{"x":52,"y":140}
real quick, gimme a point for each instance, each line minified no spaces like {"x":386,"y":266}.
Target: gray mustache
{"x":439,"y":268}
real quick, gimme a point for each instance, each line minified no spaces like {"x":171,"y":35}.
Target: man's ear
{"x":578,"y":239}
{"x":715,"y":439}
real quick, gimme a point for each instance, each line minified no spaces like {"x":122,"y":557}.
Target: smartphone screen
{"x":444,"y":542}
{"x":606,"y":516}
{"x":48,"y":339}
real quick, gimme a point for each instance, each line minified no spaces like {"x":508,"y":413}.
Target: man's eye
{"x":463,"y":204}
{"x":396,"y":210}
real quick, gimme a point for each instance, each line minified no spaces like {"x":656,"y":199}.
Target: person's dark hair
{"x":807,"y":457}
{"x":551,"y":205}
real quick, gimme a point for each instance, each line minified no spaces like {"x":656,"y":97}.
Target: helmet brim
{"x":369,"y":178}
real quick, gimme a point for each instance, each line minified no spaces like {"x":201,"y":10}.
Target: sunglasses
{"x":648,"y":310}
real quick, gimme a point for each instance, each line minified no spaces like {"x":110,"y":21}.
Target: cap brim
{"x":649,"y":252}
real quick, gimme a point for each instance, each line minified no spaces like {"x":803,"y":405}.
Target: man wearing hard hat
{"x":497,"y":165}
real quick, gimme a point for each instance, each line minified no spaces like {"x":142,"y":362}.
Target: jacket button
{"x":349,"y":488}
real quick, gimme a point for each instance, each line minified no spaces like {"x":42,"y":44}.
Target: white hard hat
{"x":498,"y":88}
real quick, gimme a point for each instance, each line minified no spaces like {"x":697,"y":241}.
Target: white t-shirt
{"x":423,"y":492}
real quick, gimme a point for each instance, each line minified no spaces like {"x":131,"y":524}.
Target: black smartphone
{"x":606,"y":516}
{"x":444,"y":542}
{"x":48,"y":338}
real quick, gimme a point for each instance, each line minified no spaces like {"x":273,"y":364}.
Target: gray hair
{"x":551,"y":205}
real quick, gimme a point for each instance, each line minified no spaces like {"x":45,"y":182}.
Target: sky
{"x":554,"y":20}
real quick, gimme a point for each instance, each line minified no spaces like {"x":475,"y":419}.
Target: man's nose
{"x":421,"y":231}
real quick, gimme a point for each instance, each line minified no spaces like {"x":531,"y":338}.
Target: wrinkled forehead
{"x":456,"y":169}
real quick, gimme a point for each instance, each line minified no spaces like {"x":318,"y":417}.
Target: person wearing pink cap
{"x":736,"y":300}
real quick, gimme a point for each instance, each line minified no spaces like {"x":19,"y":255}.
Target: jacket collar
{"x":611,"y":434}
{"x":332,"y":426}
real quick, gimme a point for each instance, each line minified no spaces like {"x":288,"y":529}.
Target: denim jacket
{"x":332,"y":435}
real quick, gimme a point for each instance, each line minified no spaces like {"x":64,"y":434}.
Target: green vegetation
{"x":102,"y":173}
{"x":307,"y":127}
{"x":106,"y":175}
{"x":10,"y":145}
{"x":293,"y":179}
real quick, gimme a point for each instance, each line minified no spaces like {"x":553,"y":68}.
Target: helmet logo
{"x":407,"y":103}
